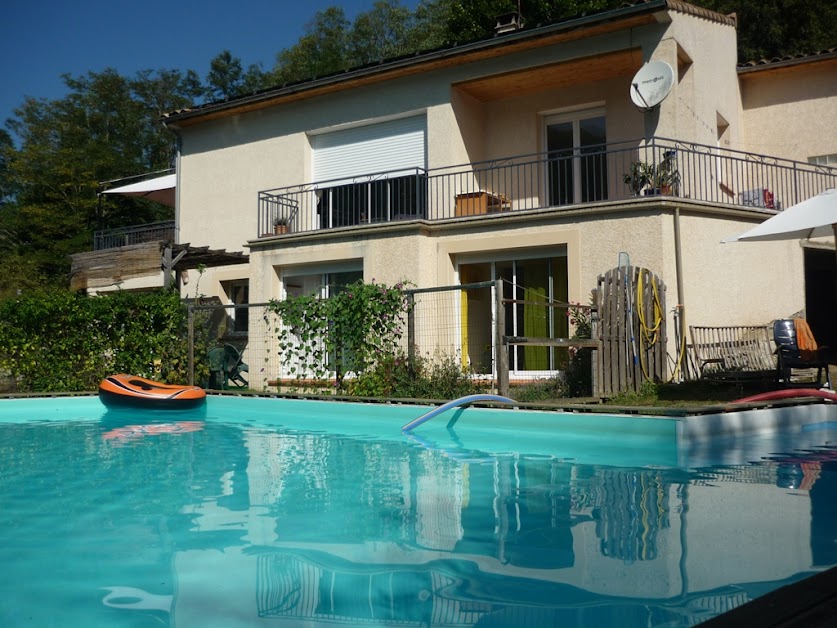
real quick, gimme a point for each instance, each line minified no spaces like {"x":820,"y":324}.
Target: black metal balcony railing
{"x":585,"y":175}
{"x":125,"y":236}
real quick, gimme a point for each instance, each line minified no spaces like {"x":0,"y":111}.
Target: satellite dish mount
{"x":651,"y":84}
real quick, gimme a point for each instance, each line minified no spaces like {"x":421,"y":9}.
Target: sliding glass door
{"x":531,"y":286}
{"x":576,"y":158}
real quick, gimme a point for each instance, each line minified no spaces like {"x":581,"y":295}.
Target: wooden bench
{"x":734,"y":353}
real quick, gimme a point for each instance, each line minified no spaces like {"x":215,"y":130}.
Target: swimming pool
{"x":283,"y":512}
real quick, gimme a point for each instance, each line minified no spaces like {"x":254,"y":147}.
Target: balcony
{"x":138,"y":234}
{"x":590,"y":174}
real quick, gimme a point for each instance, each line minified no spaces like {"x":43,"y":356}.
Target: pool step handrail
{"x":462,"y":401}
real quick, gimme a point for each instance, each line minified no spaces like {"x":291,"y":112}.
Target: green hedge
{"x":60,"y":341}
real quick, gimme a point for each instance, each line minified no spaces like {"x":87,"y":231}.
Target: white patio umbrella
{"x":160,"y":189}
{"x":815,"y":217}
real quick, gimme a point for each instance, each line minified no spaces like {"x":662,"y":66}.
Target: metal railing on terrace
{"x":125,"y":236}
{"x":589,"y":174}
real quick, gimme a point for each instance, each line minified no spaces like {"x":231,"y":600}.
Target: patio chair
{"x":796,"y":348}
{"x":226,"y":367}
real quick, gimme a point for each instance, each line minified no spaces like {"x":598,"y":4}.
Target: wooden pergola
{"x":180,"y":257}
{"x":109,"y":267}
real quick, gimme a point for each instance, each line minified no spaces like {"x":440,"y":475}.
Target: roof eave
{"x":766,"y":66}
{"x":181,"y":118}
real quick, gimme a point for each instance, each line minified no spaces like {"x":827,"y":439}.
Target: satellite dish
{"x":652,"y":84}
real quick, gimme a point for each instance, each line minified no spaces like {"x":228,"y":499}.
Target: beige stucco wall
{"x":225,"y":163}
{"x":704,"y":88}
{"x":723,"y":284}
{"x":740,"y":283}
{"x":387,"y":258}
{"x":791,"y":112}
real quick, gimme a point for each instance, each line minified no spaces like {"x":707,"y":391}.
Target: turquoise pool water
{"x":277,"y":512}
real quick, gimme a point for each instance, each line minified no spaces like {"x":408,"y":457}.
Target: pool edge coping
{"x":627,"y":411}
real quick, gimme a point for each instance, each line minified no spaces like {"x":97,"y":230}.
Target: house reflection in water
{"x":358,"y":531}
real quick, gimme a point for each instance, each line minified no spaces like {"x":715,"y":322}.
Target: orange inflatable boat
{"x":131,"y":390}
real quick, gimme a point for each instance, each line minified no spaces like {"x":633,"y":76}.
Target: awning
{"x":160,"y":189}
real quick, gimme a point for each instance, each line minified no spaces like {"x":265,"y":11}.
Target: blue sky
{"x":42,"y":39}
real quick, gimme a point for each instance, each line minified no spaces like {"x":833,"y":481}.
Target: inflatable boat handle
{"x":462,"y":401}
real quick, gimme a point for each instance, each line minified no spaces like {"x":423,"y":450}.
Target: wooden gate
{"x":631,"y":302}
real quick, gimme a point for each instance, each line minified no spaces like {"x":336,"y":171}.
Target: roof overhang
{"x":766,"y":67}
{"x":556,"y":75}
{"x":632,"y":16}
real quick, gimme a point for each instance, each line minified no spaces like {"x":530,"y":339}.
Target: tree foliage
{"x":58,"y":341}
{"x":6,"y":179}
{"x":323,"y":49}
{"x":775,"y":28}
{"x":106,"y":127}
{"x":470,"y":20}
{"x":227,"y":78}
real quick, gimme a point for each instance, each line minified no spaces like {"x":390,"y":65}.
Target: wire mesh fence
{"x":234,"y":346}
{"x":454,"y":322}
{"x":492,"y":333}
{"x":244,"y":334}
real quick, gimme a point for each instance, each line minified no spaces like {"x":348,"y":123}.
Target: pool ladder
{"x":462,"y":401}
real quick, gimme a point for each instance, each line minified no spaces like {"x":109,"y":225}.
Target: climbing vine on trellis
{"x":349,"y":332}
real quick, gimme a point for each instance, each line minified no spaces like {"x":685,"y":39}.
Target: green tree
{"x":449,"y":22}
{"x":107,"y":126}
{"x":6,"y":180}
{"x":322,"y":50}
{"x":331,"y":44}
{"x":775,"y":28}
{"x":385,"y":31}
{"x":227,"y":78}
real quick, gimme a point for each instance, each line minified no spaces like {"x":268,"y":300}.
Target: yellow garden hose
{"x":649,"y":334}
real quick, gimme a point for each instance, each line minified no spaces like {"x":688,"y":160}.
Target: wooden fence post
{"x":411,"y":332}
{"x":191,"y":323}
{"x":501,"y":348}
{"x":596,"y":358}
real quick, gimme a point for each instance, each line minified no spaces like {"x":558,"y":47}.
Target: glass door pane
{"x":593,"y":160}
{"x":559,"y":146}
{"x":533,"y":281}
{"x":505,"y":271}
{"x":577,"y":162}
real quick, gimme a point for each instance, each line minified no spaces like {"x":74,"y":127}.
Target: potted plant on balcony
{"x":281,"y":225}
{"x":637,"y":177}
{"x":664,"y":177}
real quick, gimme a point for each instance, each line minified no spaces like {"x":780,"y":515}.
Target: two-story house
{"x":512,"y":158}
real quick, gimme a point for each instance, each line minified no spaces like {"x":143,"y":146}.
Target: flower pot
{"x":280,"y":229}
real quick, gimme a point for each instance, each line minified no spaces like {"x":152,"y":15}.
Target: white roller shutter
{"x":349,"y":154}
